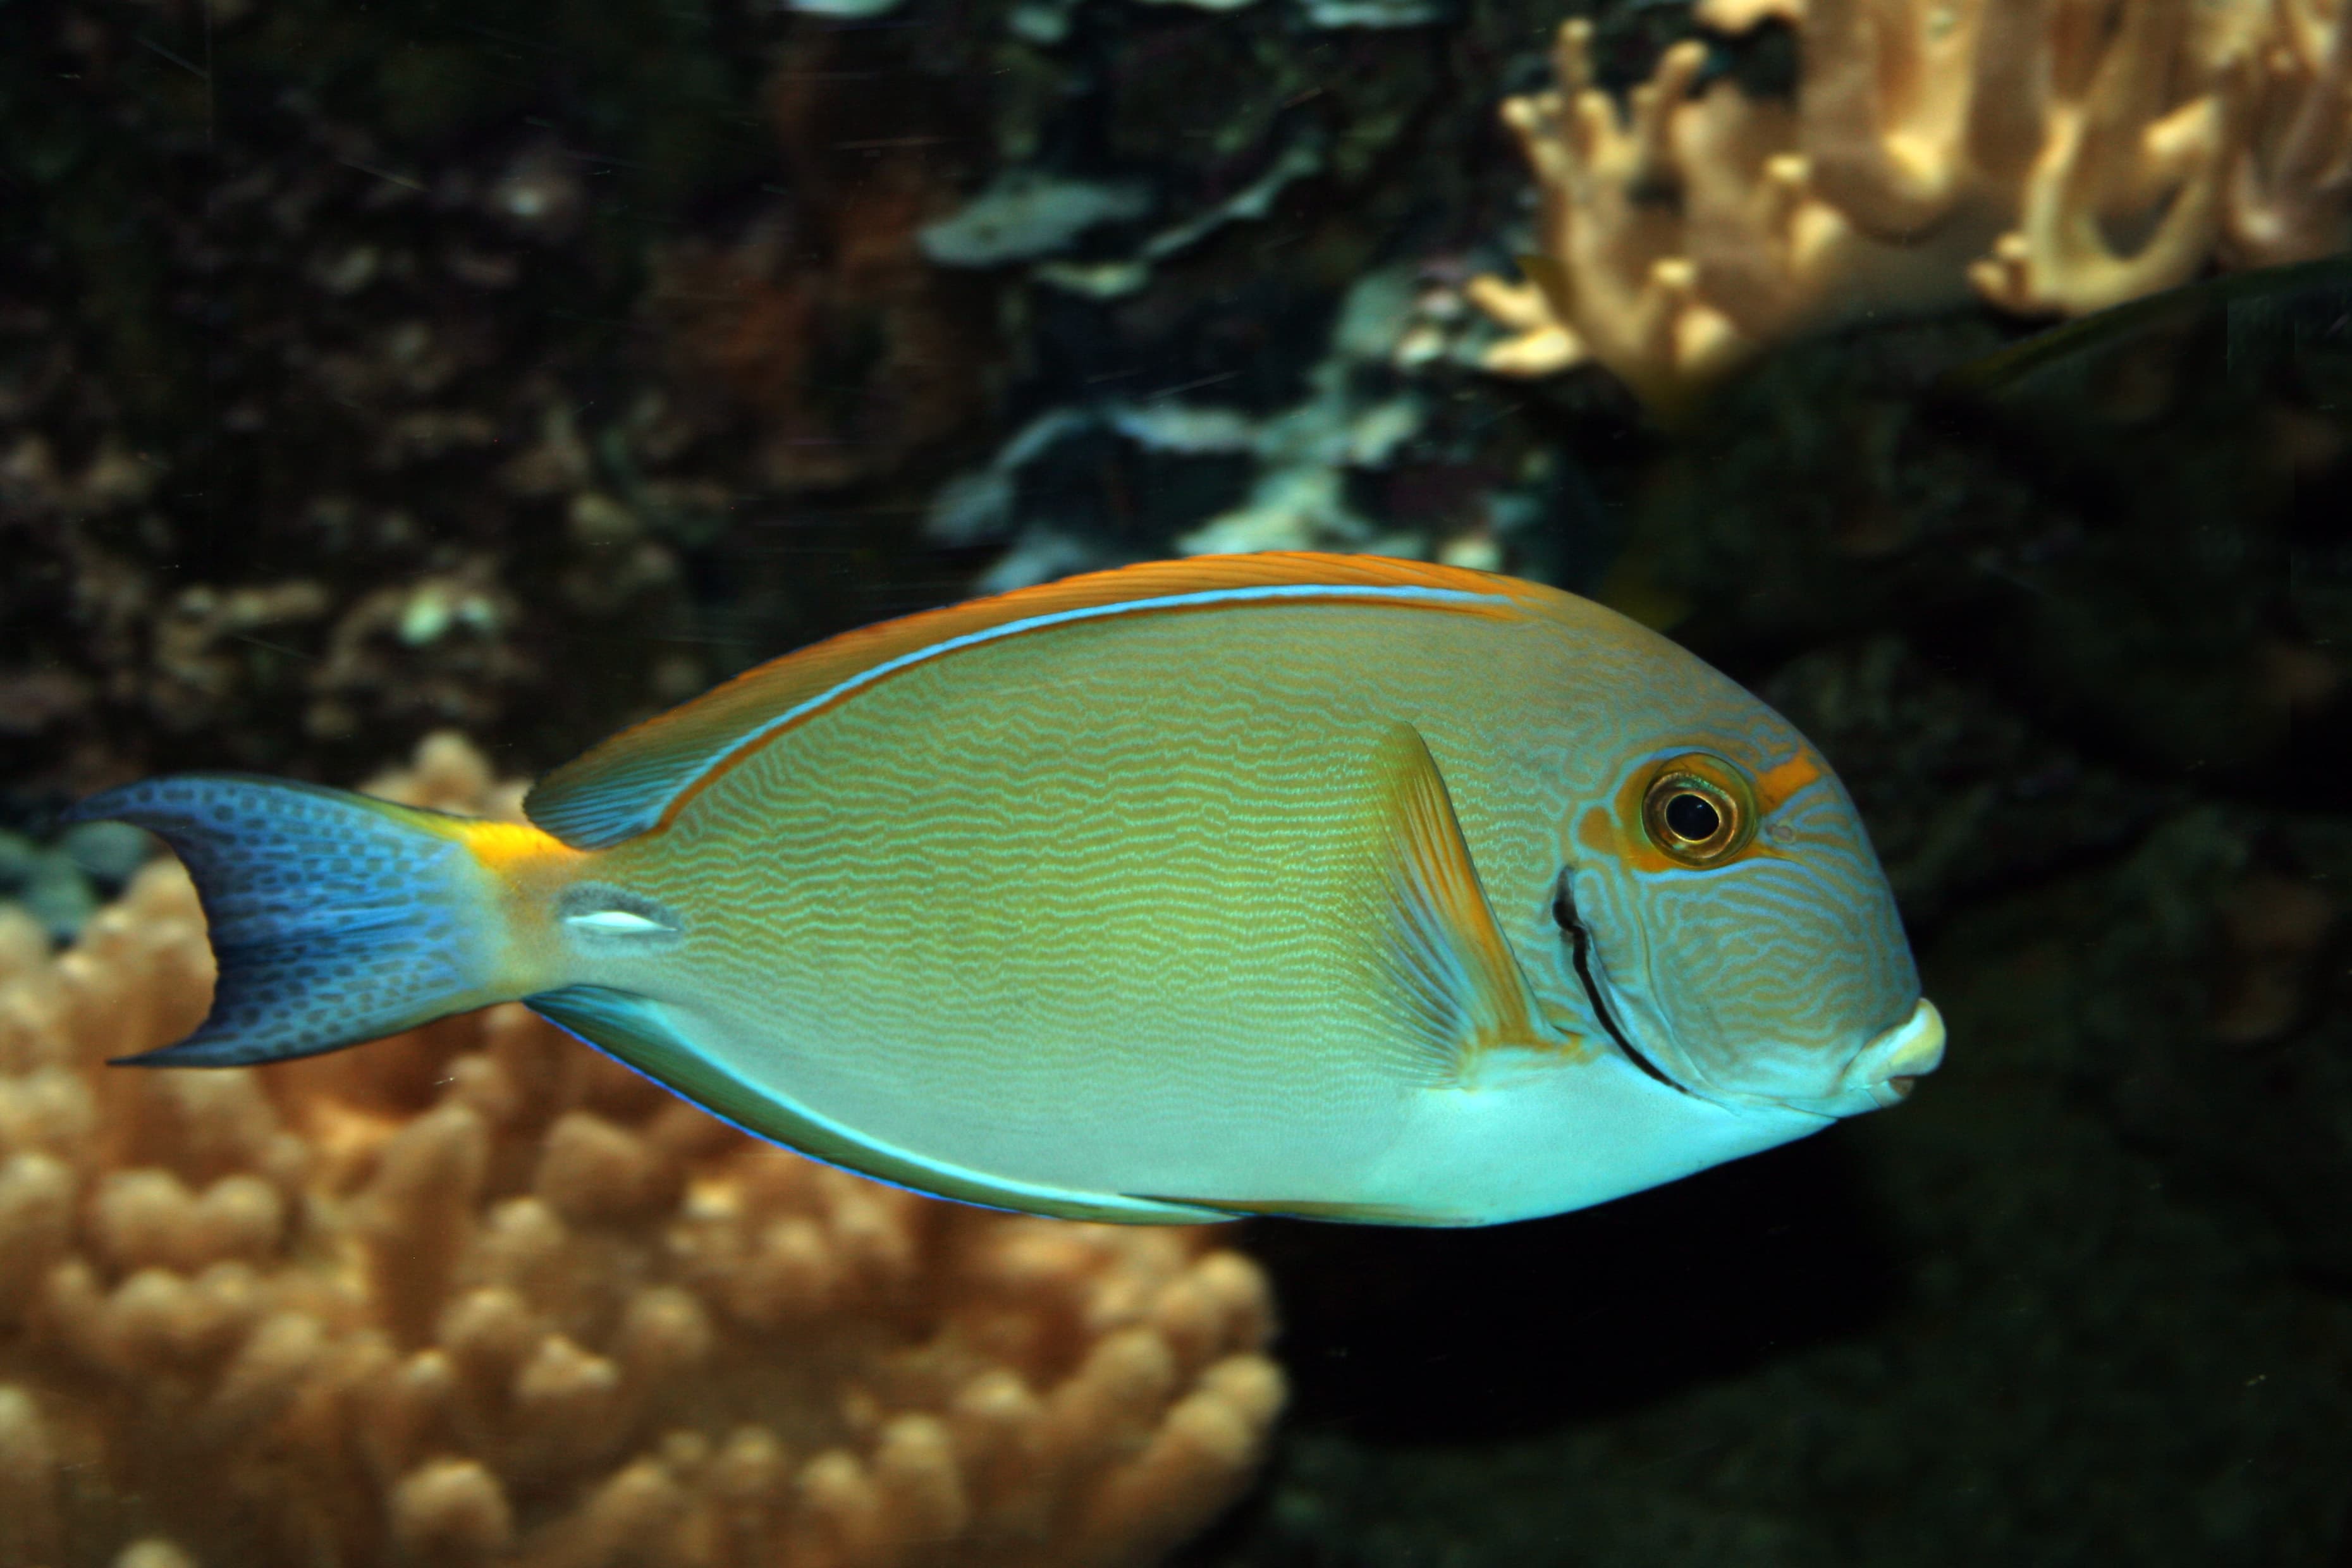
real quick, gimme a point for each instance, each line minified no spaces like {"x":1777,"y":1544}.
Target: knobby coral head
{"x":477,"y":1295}
{"x":2051,"y":158}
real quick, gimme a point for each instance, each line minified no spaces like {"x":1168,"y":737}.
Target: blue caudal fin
{"x":335,"y":918}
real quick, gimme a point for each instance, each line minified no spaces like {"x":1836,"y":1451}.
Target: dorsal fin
{"x":632,"y":782}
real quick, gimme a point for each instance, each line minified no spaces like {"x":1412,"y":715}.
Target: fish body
{"x":1298,"y":884}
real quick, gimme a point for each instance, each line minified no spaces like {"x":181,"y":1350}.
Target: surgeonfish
{"x":1313,"y":885}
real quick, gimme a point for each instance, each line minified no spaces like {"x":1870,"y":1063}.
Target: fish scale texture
{"x":333,"y":917}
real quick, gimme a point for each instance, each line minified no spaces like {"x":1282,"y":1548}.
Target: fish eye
{"x":1698,"y":809}
{"x":1692,"y":817}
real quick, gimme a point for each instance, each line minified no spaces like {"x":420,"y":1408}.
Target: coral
{"x":837,"y":366}
{"x":1025,"y":214}
{"x":353,"y":569}
{"x":1305,"y":156}
{"x":58,"y":884}
{"x":478,"y":1295}
{"x":2285,"y":200}
{"x":2115,"y":155}
{"x":1364,"y":459}
{"x":2057,"y":156}
{"x":820,"y":333}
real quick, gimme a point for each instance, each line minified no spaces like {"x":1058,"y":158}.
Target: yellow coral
{"x":2058,"y":156}
{"x":477,"y":1295}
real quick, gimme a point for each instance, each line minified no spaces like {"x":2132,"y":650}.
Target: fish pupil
{"x":1693,"y":817}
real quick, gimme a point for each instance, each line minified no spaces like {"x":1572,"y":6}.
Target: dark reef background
{"x":372,"y":369}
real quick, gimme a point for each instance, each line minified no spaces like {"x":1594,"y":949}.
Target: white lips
{"x":1887,"y":1066}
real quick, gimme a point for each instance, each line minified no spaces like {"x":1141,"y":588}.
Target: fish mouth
{"x":1883,"y":1073}
{"x":1893,"y":1063}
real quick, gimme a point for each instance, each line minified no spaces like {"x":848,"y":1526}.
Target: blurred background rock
{"x":364,"y":373}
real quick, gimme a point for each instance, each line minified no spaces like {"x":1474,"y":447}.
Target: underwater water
{"x":1973,"y":386}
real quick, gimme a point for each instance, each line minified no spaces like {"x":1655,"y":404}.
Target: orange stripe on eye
{"x":1621,"y":833}
{"x":1776,"y":786}
{"x":1601,"y":831}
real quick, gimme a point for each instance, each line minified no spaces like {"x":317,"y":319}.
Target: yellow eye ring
{"x":1698,"y":810}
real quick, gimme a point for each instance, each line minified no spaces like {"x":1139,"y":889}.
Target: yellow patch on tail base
{"x":509,"y":847}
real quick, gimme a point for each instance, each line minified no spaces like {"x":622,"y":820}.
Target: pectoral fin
{"x":646,"y":1034}
{"x":1456,"y":983}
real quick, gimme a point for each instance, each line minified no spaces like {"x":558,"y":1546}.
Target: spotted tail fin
{"x":334,"y":918}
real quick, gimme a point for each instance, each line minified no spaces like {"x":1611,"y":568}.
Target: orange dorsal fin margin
{"x":634,"y":781}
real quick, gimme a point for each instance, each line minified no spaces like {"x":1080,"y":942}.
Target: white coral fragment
{"x":1025,"y":214}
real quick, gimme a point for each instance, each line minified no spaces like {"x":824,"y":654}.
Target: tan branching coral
{"x":476,"y":1295}
{"x":2057,"y":156}
{"x":2285,"y":198}
{"x":2124,"y":150}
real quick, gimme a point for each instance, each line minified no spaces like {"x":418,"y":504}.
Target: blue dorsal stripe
{"x":634,"y":800}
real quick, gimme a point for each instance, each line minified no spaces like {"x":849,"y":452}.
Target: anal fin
{"x":639,"y":1032}
{"x":1334,"y":1211}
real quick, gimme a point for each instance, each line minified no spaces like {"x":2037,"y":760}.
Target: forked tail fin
{"x":334,"y":918}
